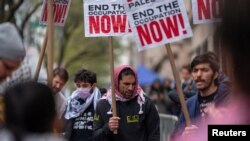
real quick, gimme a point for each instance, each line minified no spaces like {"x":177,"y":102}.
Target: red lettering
{"x":59,"y":12}
{"x":64,"y":12}
{"x":182,"y":23}
{"x":153,"y":31}
{"x":94,"y":24}
{"x":203,"y":9}
{"x":119,"y":22}
{"x":105,"y":24}
{"x":144,"y":34}
{"x":156,"y":31}
{"x":170,"y":26}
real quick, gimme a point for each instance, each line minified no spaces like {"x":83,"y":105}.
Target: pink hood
{"x":117,"y":71}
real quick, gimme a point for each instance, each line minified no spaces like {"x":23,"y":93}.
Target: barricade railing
{"x":167,"y":125}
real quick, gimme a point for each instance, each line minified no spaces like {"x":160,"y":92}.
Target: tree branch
{"x":67,"y":34}
{"x":29,"y":15}
{"x":14,"y":9}
{"x":80,"y":54}
{"x":2,"y":13}
{"x":158,"y":66}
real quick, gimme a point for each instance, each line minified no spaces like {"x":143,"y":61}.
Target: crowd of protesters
{"x":33,"y":111}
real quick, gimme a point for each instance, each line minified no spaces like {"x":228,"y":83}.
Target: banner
{"x":105,"y":18}
{"x":157,"y":22}
{"x":207,"y":11}
{"x":60,"y":7}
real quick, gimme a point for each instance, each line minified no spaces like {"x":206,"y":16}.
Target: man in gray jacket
{"x":12,"y":53}
{"x":12,"y":50}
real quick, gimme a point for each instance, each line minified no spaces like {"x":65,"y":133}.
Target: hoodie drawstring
{"x":110,"y":111}
{"x":140,"y":112}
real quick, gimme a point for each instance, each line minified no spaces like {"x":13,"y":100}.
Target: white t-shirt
{"x":60,"y":104}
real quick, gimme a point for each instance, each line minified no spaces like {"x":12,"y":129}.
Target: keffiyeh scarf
{"x":76,"y":104}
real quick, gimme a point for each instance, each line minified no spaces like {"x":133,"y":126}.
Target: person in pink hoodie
{"x":137,"y":118}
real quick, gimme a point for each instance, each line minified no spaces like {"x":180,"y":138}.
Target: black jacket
{"x":221,"y":99}
{"x":81,"y":128}
{"x":132,"y":126}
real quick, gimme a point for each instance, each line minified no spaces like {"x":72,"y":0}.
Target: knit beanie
{"x":11,"y":46}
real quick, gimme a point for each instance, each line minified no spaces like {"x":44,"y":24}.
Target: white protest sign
{"x":105,"y":18}
{"x":207,"y":11}
{"x":60,"y":7}
{"x":157,"y":22}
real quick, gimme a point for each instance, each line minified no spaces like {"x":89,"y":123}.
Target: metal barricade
{"x":167,"y":125}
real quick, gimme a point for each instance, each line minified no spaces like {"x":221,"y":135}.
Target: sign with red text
{"x":105,"y":18}
{"x":157,"y":22}
{"x":207,"y":11}
{"x":60,"y":8}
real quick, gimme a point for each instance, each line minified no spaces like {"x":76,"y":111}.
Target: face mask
{"x":84,"y":93}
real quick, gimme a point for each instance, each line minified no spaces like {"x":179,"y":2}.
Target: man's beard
{"x":55,"y":91}
{"x":127,"y":95}
{"x":208,"y":86}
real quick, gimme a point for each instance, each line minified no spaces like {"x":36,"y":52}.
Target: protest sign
{"x":60,"y":8}
{"x":157,"y":22}
{"x":105,"y":18}
{"x":207,"y":11}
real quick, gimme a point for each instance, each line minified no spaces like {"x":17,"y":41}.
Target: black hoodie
{"x":132,"y":126}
